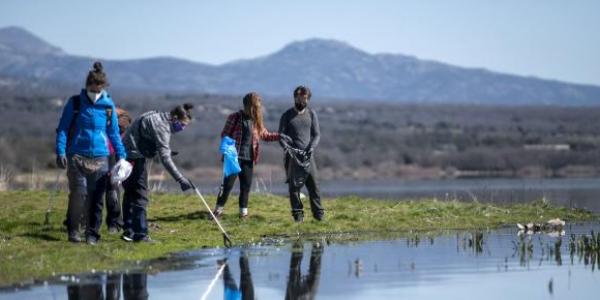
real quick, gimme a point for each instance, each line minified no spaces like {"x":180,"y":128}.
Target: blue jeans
{"x":86,"y":195}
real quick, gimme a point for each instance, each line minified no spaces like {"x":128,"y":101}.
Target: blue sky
{"x":554,"y":39}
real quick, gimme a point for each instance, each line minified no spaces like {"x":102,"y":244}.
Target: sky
{"x":553,"y":39}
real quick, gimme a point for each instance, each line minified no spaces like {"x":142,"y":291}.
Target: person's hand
{"x":309,"y":151}
{"x":185,"y":184}
{"x":61,"y":161}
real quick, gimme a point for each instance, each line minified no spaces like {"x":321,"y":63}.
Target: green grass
{"x":28,"y":249}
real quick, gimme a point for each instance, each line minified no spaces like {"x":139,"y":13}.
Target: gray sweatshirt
{"x":155,"y":126}
{"x":303,"y":128}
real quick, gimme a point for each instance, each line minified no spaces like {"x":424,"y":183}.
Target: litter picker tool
{"x":226,"y":240}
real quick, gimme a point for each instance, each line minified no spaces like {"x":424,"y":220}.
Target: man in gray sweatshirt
{"x":300,"y":132}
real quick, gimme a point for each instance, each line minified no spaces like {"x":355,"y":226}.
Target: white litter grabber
{"x":226,"y":240}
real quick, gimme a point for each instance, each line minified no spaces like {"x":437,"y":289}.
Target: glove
{"x":185,"y":184}
{"x":61,"y":161}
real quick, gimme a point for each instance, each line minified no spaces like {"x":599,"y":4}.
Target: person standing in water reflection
{"x":300,"y":132}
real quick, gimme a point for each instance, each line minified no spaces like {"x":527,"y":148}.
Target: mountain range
{"x":333,"y":69}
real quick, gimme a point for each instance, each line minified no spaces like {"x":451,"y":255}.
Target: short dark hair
{"x":183,"y":112}
{"x":302,"y":90}
{"x":97,"y":76}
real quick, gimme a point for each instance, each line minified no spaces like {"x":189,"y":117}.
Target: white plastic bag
{"x":120,"y":171}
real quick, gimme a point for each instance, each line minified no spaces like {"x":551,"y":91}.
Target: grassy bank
{"x":29,"y":249}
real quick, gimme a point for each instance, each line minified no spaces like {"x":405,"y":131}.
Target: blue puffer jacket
{"x":92,"y":134}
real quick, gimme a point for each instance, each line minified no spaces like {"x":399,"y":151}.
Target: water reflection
{"x":304,"y":287}
{"x":99,"y":287}
{"x":231,"y":290}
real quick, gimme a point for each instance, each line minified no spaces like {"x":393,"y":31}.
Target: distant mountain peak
{"x":320,"y":45}
{"x":20,"y":40}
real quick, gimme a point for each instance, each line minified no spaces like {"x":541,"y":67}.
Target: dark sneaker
{"x":74,"y":237}
{"x":319,"y":217}
{"x":127,"y":237}
{"x":91,"y":240}
{"x":113,"y":230}
{"x":298,"y":218}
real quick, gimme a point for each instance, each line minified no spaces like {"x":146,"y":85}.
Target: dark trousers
{"x":245,"y":184}
{"x":86,"y":192}
{"x":314,"y":194}
{"x":113,"y":201}
{"x":135,"y":200}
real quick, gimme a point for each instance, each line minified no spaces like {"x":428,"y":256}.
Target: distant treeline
{"x":359,"y":140}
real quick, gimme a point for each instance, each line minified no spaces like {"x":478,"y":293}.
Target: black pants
{"x":135,"y":200}
{"x":245,"y":184}
{"x":113,"y":201}
{"x":314,"y":194}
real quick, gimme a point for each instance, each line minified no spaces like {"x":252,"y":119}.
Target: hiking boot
{"x":113,"y":230}
{"x":243,"y":217}
{"x":91,"y":240}
{"x":74,"y":237}
{"x":127,"y":237}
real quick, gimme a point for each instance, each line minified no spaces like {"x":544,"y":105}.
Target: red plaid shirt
{"x":233,"y":129}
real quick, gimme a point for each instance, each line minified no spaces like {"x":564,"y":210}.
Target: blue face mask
{"x":178,"y":126}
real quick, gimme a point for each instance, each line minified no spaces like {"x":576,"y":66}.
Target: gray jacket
{"x":155,"y":126}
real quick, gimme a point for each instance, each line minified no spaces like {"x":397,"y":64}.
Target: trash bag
{"x":231,"y":166}
{"x":120,"y":171}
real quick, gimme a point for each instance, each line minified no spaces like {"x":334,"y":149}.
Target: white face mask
{"x":94,"y":96}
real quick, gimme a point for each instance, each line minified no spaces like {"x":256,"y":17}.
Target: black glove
{"x":174,"y":153}
{"x":185,"y":184}
{"x":61,"y":161}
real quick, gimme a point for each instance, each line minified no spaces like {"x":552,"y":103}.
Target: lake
{"x":496,"y":264}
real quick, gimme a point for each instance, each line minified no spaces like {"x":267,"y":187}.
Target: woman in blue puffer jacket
{"x":87,"y":125}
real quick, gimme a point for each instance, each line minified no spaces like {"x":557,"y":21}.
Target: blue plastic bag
{"x":231,"y":166}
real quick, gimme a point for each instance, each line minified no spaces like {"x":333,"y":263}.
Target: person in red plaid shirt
{"x":247,"y":128}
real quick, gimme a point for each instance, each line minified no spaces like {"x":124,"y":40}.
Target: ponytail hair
{"x":183,"y":112}
{"x":96,"y":76}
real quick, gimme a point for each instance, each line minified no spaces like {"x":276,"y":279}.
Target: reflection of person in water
{"x":304,"y":287}
{"x":134,"y":287}
{"x":246,"y":290}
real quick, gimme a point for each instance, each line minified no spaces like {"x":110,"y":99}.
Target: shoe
{"x":113,"y":230}
{"x":74,"y":237}
{"x":298,"y":218}
{"x":319,"y":217}
{"x":91,"y":240}
{"x":127,"y":237}
{"x":243,"y":217}
{"x":218,"y":214}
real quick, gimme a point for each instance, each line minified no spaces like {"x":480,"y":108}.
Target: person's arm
{"x":229,"y":125}
{"x":162,"y":138}
{"x":114,"y":136}
{"x":267,"y":136}
{"x":315,"y":132}
{"x":63,"y":128}
{"x":283,"y":123}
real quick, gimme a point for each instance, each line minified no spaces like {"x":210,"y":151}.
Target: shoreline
{"x":29,"y":250}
